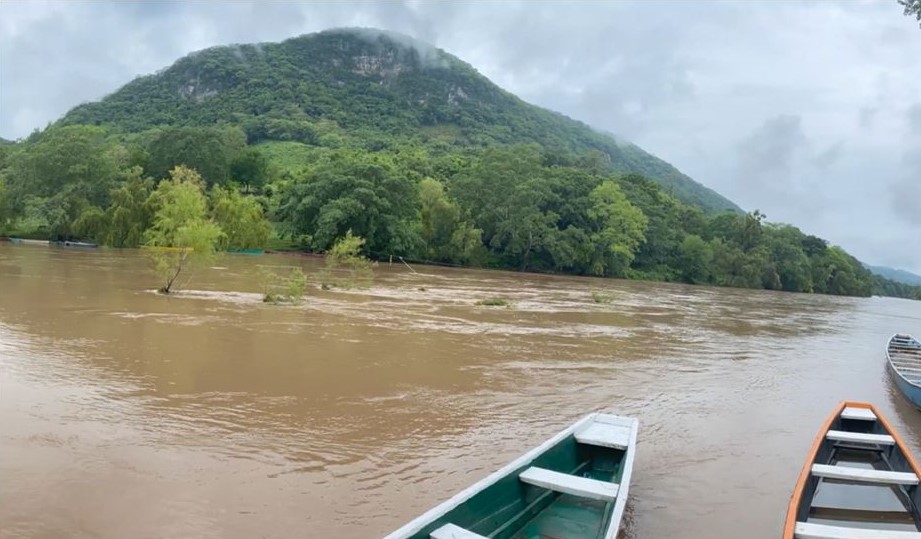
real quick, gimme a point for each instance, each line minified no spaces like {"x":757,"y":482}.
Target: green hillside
{"x":897,"y":275}
{"x":401,"y":150}
{"x":363,"y":88}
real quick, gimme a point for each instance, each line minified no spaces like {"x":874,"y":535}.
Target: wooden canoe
{"x":904,"y":356}
{"x":573,"y":486}
{"x":859,"y":481}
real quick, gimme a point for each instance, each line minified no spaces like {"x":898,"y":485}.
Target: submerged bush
{"x":278,"y":287}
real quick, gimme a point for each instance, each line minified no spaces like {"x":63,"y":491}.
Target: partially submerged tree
{"x":181,"y":236}
{"x":346,"y":266}
{"x":283,"y":287}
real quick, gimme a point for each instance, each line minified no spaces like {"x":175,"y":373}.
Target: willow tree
{"x":182,"y":237}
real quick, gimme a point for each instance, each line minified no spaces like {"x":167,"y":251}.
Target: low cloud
{"x":905,"y":193}
{"x":766,"y":157}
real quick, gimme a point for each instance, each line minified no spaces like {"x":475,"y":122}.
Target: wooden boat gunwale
{"x":806,"y":472}
{"x":892,"y":362}
{"x":419,"y":523}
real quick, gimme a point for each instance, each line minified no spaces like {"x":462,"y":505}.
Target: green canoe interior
{"x":511,"y":509}
{"x":842,"y":503}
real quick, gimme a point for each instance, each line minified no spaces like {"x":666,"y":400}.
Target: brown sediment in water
{"x":210,"y":414}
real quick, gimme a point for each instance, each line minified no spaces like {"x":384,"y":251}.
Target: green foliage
{"x":899,"y":276}
{"x":7,"y":212}
{"x":91,"y":224}
{"x":508,"y":194}
{"x":695,"y":260}
{"x":278,"y":287}
{"x":241,"y":219}
{"x":353,"y":191}
{"x":78,"y":158}
{"x":618,"y":230}
{"x":414,"y":153}
{"x":129,"y":215}
{"x":251,"y":169}
{"x":361,"y":89}
{"x":345,"y":266}
{"x":210,"y":151}
{"x":602,"y":297}
{"x":58,"y":174}
{"x":446,"y":234}
{"x":181,"y":236}
{"x":495,"y":302}
{"x":888,"y":287}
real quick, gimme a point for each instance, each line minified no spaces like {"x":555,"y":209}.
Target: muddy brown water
{"x":127,"y":414}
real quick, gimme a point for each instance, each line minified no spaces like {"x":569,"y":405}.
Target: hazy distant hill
{"x":897,"y":275}
{"x":369,"y":87}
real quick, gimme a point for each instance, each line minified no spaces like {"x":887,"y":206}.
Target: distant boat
{"x":573,"y":486}
{"x":859,"y":481}
{"x":81,"y":244}
{"x":246,"y":251}
{"x":22,"y":241}
{"x":904,"y":357}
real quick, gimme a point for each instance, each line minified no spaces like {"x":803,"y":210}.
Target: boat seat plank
{"x":605,"y":435}
{"x":864,"y":414}
{"x":450,"y":531}
{"x":808,"y":530}
{"x":570,"y":484}
{"x":863,"y":475}
{"x":844,"y":436}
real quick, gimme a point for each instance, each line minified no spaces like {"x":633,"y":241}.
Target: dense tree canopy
{"x":519,"y":207}
{"x":418,"y":157}
{"x":356,"y":191}
{"x":210,"y":151}
{"x":362,"y":89}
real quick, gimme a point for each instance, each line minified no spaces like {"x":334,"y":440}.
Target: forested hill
{"x":363,"y":88}
{"x":897,"y":275}
{"x":402,"y":148}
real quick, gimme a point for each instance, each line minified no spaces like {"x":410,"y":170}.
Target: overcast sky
{"x":807,"y":110}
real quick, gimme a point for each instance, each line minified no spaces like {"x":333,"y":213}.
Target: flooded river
{"x":128,"y":414}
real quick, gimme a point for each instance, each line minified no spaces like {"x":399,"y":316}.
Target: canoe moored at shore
{"x":572,"y":486}
{"x":904,"y":356}
{"x":80,"y":244}
{"x":22,"y":241}
{"x":859,"y":481}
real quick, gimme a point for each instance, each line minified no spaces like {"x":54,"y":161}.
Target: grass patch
{"x":602,"y":297}
{"x":277,"y":242}
{"x":288,"y":156}
{"x":495,"y":302}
